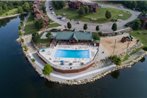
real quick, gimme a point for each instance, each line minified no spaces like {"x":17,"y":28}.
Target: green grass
{"x":30,"y":26}
{"x":10,"y":12}
{"x":141,"y":35}
{"x":53,"y":25}
{"x":98,"y":17}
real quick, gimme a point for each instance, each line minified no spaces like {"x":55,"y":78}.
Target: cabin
{"x":76,"y":4}
{"x":39,"y":13}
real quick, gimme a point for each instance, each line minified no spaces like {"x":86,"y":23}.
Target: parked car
{"x":53,"y":13}
{"x":63,"y":18}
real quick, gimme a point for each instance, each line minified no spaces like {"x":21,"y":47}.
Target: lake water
{"x":19,"y":80}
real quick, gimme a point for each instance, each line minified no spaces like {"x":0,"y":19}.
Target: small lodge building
{"x":76,"y":4}
{"x":74,"y":37}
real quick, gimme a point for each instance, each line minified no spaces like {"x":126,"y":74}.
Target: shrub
{"x":47,"y":69}
{"x":116,"y":60}
{"x":25,"y":48}
{"x":22,"y":40}
{"x":33,"y":60}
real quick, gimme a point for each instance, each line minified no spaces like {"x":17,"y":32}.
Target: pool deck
{"x":48,"y":55}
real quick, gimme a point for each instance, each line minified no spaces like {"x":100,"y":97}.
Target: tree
{"x":108,"y":14}
{"x":97,"y":28}
{"x":136,"y":24}
{"x":85,"y":27}
{"x":26,"y":6}
{"x":58,"y":4}
{"x":1,"y":10}
{"x":5,"y":7}
{"x":69,"y":25}
{"x":81,"y":11}
{"x":39,"y":24}
{"x":116,"y":60}
{"x":86,"y":8}
{"x":114,"y":27}
{"x":47,"y":69}
{"x":25,"y":48}
{"x":48,"y":35}
{"x":20,"y":10}
{"x":35,"y":37}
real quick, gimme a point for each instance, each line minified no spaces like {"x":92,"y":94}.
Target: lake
{"x":18,"y":79}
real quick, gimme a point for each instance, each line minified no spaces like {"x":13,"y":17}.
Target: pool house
{"x":71,"y":52}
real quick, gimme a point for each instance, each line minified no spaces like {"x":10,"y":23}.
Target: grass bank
{"x":141,"y":35}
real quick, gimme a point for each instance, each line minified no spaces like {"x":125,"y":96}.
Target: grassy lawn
{"x":98,"y":17}
{"x":53,"y":25}
{"x":141,"y":35}
{"x":30,"y":26}
{"x":10,"y":12}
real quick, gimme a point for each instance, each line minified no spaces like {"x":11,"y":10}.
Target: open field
{"x":109,"y":43}
{"x":141,"y":35}
{"x":98,"y":17}
{"x":30,"y":26}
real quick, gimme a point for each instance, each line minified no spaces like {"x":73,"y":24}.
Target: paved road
{"x":104,"y":27}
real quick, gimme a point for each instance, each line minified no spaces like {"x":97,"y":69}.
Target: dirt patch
{"x":118,"y":48}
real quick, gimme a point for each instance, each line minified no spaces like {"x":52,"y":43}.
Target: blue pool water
{"x":72,"y":53}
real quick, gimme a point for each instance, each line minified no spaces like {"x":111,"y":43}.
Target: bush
{"x":25,"y":48}
{"x":22,"y":40}
{"x":47,"y":69}
{"x":116,"y":60}
{"x":35,"y":37}
{"x":33,"y":60}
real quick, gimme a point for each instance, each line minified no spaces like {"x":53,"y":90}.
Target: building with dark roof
{"x":76,"y":4}
{"x":72,"y":36}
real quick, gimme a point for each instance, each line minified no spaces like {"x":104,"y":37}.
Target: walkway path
{"x":71,"y":77}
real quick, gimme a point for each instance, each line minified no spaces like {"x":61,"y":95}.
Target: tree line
{"x":23,"y":6}
{"x":137,"y":5}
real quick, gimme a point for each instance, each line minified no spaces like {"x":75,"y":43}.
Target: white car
{"x":53,"y":13}
{"x":63,"y":18}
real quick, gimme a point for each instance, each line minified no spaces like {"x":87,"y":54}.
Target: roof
{"x":63,"y":35}
{"x":84,"y":36}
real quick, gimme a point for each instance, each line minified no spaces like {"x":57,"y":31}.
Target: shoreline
{"x":9,"y":16}
{"x":84,"y":81}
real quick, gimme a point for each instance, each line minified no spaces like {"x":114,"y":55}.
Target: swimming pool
{"x":61,"y":53}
